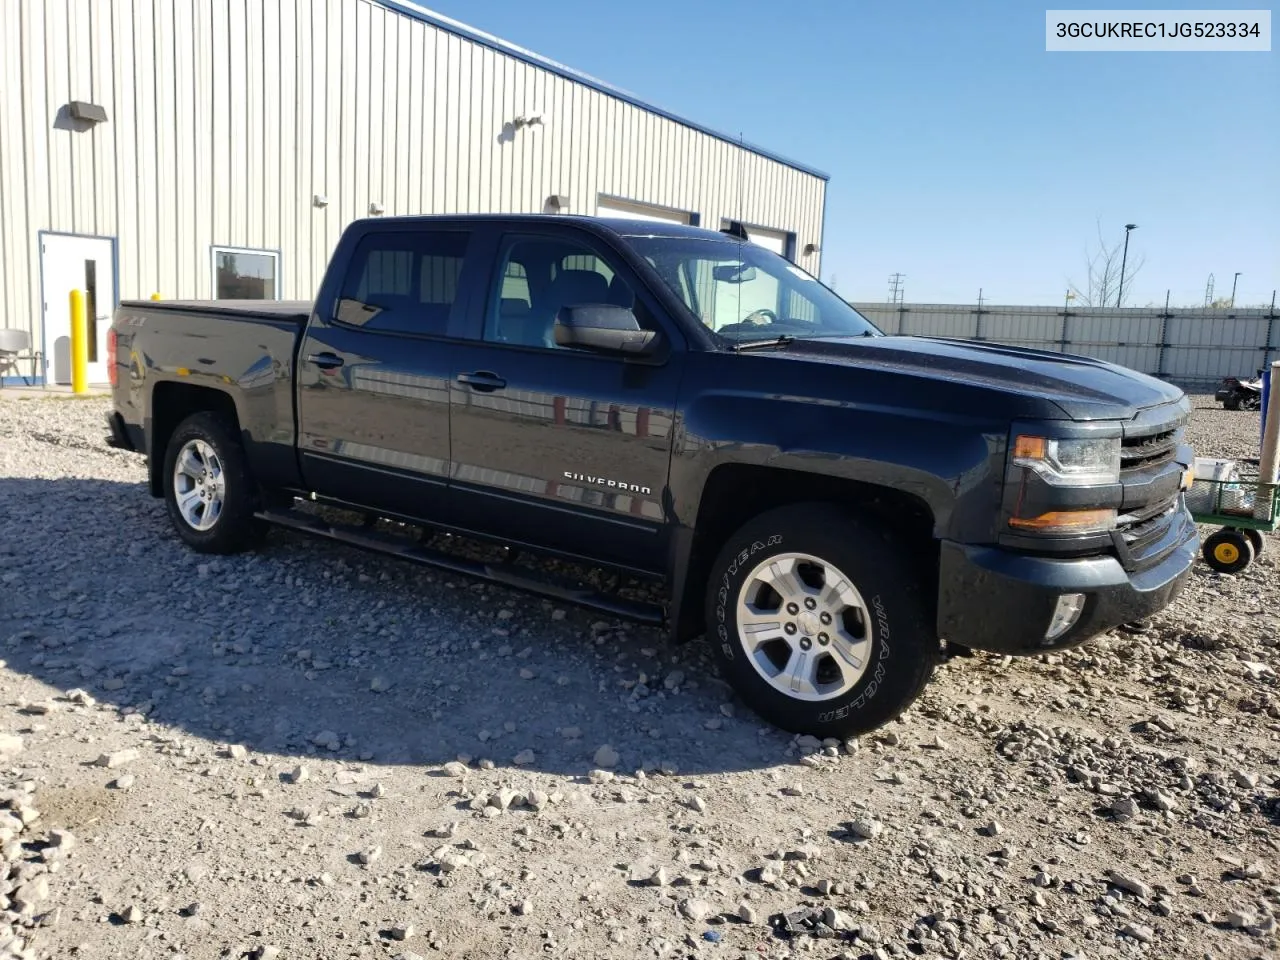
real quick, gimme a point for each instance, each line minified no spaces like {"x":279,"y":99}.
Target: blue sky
{"x":961,"y":153}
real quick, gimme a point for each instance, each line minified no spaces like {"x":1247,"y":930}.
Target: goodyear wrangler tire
{"x":818,"y":621}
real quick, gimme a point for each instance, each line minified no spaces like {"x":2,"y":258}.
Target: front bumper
{"x":1000,"y":601}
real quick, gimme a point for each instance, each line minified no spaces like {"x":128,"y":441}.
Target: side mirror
{"x":604,"y":328}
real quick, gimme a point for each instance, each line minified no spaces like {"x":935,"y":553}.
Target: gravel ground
{"x":310,"y":752}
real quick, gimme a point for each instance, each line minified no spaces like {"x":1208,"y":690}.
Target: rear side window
{"x":404,"y":282}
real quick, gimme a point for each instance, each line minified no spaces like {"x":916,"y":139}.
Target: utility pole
{"x":1234,"y":281}
{"x":1208,"y":291}
{"x":1128,"y":227}
{"x":896,"y":289}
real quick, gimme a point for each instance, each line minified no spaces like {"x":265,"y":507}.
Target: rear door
{"x":555,"y":446}
{"x":373,"y":376}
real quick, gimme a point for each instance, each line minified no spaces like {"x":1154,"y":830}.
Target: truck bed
{"x":271,"y":309}
{"x":241,"y":351}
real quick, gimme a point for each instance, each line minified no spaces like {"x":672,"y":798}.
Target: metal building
{"x":216,"y":148}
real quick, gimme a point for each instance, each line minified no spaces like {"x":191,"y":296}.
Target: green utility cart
{"x":1233,"y":497}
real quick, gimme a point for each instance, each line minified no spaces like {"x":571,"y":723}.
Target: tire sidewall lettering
{"x":729,"y":642}
{"x":859,"y":701}
{"x":722,"y":594}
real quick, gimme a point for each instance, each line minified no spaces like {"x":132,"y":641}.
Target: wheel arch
{"x":172,"y":403}
{"x":734,"y":493}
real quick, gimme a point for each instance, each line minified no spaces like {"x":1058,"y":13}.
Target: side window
{"x":402,"y":282}
{"x":541,"y":276}
{"x":586,"y":261}
{"x":515,"y":284}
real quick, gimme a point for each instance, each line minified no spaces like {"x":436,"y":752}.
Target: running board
{"x":508,"y":575}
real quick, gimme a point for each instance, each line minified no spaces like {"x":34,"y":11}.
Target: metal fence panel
{"x":1193,"y":347}
{"x":1024,"y":329}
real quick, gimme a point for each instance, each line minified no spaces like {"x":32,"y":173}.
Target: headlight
{"x":1070,"y":463}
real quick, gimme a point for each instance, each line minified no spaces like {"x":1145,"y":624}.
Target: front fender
{"x":954,"y":464}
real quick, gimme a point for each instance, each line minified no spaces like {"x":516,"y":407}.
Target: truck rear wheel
{"x":819,"y":622}
{"x":207,"y":486}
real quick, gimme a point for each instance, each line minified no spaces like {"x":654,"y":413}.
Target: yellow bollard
{"x":155,"y":296}
{"x":79,"y":344}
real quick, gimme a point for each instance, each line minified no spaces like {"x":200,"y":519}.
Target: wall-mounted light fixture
{"x":556,"y":203}
{"x":319,"y":200}
{"x":531,"y":119}
{"x":90,"y":112}
{"x":376,"y":209}
{"x":810,"y":249}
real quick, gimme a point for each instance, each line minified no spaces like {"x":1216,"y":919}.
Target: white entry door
{"x":69,"y":263}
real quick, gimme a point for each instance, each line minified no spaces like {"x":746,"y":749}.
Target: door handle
{"x":325,"y":361}
{"x":482,"y":380}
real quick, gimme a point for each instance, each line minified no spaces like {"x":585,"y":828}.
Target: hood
{"x":1082,"y":388}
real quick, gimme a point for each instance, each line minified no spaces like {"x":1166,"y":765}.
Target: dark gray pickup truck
{"x":826,"y":503}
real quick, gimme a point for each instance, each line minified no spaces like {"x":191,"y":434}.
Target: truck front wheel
{"x":207,"y":486}
{"x":819,"y":622}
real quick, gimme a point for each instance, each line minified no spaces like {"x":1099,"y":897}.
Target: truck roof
{"x":624,"y":226}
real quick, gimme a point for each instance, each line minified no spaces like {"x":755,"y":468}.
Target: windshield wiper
{"x":780,"y":341}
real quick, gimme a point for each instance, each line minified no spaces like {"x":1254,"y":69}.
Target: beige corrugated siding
{"x":225,"y":117}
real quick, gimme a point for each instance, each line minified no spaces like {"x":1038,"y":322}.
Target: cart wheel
{"x":1258,"y":541}
{"x":1228,"y":551}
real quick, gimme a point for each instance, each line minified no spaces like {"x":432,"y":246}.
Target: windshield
{"x":744,"y":292}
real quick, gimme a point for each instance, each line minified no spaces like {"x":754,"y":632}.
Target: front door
{"x":555,"y":446}
{"x":76,"y":263}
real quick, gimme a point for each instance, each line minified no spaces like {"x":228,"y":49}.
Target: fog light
{"x":1065,"y":614}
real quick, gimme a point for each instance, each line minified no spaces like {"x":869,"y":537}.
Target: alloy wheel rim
{"x":199,"y":485}
{"x":806,"y":629}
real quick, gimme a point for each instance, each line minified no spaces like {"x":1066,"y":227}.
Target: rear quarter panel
{"x":244,"y":351}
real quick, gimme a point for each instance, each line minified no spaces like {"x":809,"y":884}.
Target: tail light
{"x":111,"y":355}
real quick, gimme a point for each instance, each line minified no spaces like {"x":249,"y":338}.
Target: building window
{"x":245,"y":274}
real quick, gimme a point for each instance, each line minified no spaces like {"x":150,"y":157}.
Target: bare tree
{"x":1102,"y":280}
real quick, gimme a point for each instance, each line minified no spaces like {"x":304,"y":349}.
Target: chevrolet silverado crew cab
{"x":680,"y":406}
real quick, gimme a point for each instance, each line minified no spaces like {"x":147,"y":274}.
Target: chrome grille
{"x":1148,"y":460}
{"x":1145,"y":526}
{"x":1143,"y":453}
